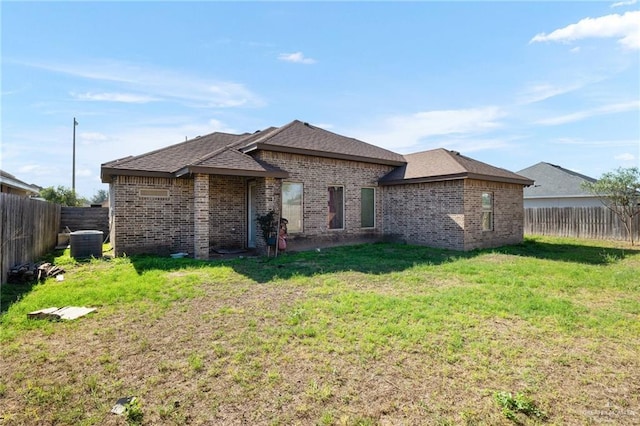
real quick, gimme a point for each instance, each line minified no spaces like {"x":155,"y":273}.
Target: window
{"x":292,"y":205}
{"x":367,"y":208}
{"x":487,"y":211}
{"x":336,"y":207}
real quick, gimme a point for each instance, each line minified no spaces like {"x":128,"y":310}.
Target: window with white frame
{"x":336,"y":207}
{"x":292,"y":205}
{"x":367,"y":207}
{"x":487,"y":211}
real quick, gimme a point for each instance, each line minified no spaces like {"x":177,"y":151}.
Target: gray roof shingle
{"x":223,"y":153}
{"x":442,"y":164}
{"x":175,"y":157}
{"x":303,"y":138}
{"x":227,"y":153}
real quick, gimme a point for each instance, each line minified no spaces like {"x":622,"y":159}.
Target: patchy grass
{"x":545,"y":331}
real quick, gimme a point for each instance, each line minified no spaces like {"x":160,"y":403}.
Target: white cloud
{"x":114,"y":97}
{"x":581,"y":115}
{"x":153,"y":83}
{"x":609,"y":143}
{"x":626,"y":28}
{"x":38,"y":170}
{"x":408,"y":132}
{"x":297,"y":58}
{"x":624,"y":3}
{"x":625,"y":157}
{"x":93,"y":136}
{"x":326,"y":126}
{"x":537,"y":92}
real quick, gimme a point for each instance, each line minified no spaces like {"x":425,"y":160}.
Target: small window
{"x":292,"y":205}
{"x":367,"y":208}
{"x":487,"y":211}
{"x":336,"y":207}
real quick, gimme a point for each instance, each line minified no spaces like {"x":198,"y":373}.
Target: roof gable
{"x":441,"y":164}
{"x":303,"y":138}
{"x":551,"y":180}
{"x":175,"y":157}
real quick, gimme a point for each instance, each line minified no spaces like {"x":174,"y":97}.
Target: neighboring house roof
{"x":441,"y":164}
{"x":552,"y":181}
{"x":303,"y":138}
{"x":7,"y":179}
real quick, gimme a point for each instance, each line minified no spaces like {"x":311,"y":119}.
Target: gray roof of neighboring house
{"x":552,"y":181}
{"x":10,"y":180}
{"x":441,"y":164}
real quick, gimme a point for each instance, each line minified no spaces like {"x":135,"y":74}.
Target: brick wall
{"x":440,"y":214}
{"x":449,"y":214}
{"x":227,"y":212}
{"x":164,"y":225}
{"x":508,"y":214}
{"x":429,"y":214}
{"x":317,"y":174}
{"x":148,"y":224}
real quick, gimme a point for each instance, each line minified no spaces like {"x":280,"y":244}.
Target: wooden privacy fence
{"x":28,"y":229}
{"x":581,"y":222}
{"x":85,"y":218}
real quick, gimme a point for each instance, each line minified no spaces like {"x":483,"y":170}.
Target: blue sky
{"x":507,"y":83}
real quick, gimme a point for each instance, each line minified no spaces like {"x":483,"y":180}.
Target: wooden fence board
{"x":85,"y":218}
{"x":28,"y":229}
{"x":598,"y":223}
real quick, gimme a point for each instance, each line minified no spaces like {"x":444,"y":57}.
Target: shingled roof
{"x":165,"y":162}
{"x":303,"y":138}
{"x":224,"y":153}
{"x":554,"y":181}
{"x":441,"y":164}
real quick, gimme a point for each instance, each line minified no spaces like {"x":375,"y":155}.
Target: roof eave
{"x":503,"y":179}
{"x":231,"y":172}
{"x":324,"y":154}
{"x":457,"y":176}
{"x":427,"y":179}
{"x":107,"y":173}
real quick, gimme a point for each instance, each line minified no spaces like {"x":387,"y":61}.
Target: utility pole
{"x":73,"y":173}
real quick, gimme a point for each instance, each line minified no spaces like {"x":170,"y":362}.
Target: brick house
{"x":205,"y":194}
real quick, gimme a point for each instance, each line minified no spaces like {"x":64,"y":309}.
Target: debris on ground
{"x":66,"y":313}
{"x":121,"y":404}
{"x":29,"y":272}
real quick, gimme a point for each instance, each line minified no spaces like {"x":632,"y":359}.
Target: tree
{"x":100,"y":196}
{"x":619,"y":191}
{"x":63,"y":196}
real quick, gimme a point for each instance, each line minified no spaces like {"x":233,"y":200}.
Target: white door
{"x":252,"y":214}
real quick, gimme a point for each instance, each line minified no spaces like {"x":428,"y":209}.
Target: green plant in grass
{"x":196,"y":363}
{"x":519,"y":404}
{"x":133,"y":412}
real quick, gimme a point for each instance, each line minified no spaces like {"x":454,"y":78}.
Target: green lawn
{"x":546,"y":332}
